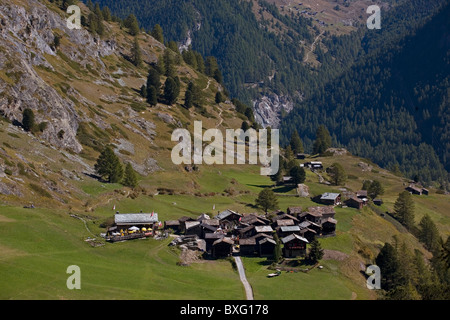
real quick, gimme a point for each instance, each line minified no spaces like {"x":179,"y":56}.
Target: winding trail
{"x":313,"y":46}
{"x":247,"y":286}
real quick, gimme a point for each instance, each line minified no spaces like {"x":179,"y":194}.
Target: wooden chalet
{"x":378,"y":202}
{"x":414,"y":189}
{"x":300,"y":156}
{"x":130,"y":226}
{"x":308,"y":234}
{"x":253,"y":219}
{"x":210,"y":238}
{"x":193,"y":228}
{"x":222,"y":247}
{"x":266,"y":247}
{"x":182,"y":221}
{"x":284,"y":231}
{"x":332,"y":199}
{"x":228,"y":219}
{"x":287,"y":180}
{"x":294,"y":246}
{"x":329,"y":227}
{"x":361,"y":194}
{"x":172,"y":224}
{"x":354,"y":202}
{"x":313,"y":165}
{"x":294,"y":211}
{"x":248,"y":247}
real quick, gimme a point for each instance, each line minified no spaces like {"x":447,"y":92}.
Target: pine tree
{"x":188,"y":99}
{"x":298,"y":174}
{"x":154,"y":79}
{"x":337,"y":174}
{"x":130,"y":177}
{"x":169,"y":66}
{"x":296,"y":143}
{"x":108,"y":166}
{"x":136,"y":53}
{"x":375,"y":189}
{"x":28,"y":121}
{"x":106,"y":14}
{"x":98,"y":12}
{"x":429,"y":233}
{"x":315,"y":252}
{"x":152,"y":96}
{"x":170,"y":91}
{"x":143,"y":91}
{"x":157,"y":33}
{"x":132,"y":24}
{"x":219,"y":98}
{"x":277,"y":251}
{"x":387,"y":260}
{"x":404,"y":209}
{"x":267,"y":200}
{"x":323,"y":140}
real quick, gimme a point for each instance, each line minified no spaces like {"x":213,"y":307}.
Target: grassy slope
{"x":36,"y":246}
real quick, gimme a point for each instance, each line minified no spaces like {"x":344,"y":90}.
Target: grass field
{"x":38,"y":245}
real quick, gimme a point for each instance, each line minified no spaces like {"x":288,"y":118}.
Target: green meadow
{"x":37,"y":245}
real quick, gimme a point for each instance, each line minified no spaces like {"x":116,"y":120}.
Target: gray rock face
{"x":267,"y":109}
{"x":26,"y":37}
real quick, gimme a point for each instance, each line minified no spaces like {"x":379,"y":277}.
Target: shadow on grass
{"x":284,"y":189}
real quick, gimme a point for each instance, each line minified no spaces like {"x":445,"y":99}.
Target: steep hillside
{"x":84,"y":94}
{"x":85,"y":91}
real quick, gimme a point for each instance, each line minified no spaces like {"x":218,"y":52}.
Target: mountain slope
{"x":391,"y":106}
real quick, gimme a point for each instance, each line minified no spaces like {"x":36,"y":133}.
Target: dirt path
{"x":247,"y":286}
{"x":313,"y":46}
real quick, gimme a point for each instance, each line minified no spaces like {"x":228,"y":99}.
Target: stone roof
{"x":293,"y":236}
{"x":329,"y":196}
{"x":135,"y":218}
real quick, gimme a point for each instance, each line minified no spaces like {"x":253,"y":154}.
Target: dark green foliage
{"x":132,"y":24}
{"x":188,"y":99}
{"x":315,"y":251}
{"x":337,"y":173}
{"x":157,"y":33}
{"x":404,"y":209}
{"x":108,"y":166}
{"x":277,"y":251}
{"x":136,"y":54}
{"x":323,"y":140}
{"x":296,"y":143}
{"x":153,"y":79}
{"x":219,"y":97}
{"x":429,"y":234}
{"x":28,"y":119}
{"x":267,"y":200}
{"x":143,"y":91}
{"x":375,"y":189}
{"x":152,"y":96}
{"x":171,"y":91}
{"x":298,"y":174}
{"x":130,"y":177}
{"x":387,"y":260}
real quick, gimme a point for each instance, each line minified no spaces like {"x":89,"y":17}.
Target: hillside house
{"x":222,"y":247}
{"x":172,"y":224}
{"x":294,"y":246}
{"x":193,"y":228}
{"x":294,"y":211}
{"x":378,"y":202}
{"x":313,"y":165}
{"x":415,"y":189}
{"x":331,"y":199}
{"x":354,"y":202}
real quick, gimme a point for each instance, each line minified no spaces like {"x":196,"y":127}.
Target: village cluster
{"x":248,"y":234}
